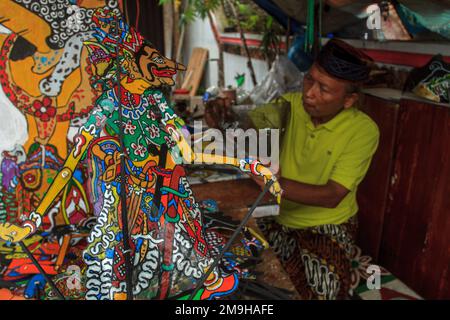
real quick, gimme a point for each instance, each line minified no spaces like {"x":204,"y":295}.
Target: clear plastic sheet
{"x":283,"y":77}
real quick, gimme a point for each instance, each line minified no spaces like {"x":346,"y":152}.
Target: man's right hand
{"x":216,"y":112}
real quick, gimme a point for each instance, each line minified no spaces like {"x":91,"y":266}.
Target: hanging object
{"x":298,"y":56}
{"x":309,"y":38}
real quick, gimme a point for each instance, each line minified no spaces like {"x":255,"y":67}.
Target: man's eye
{"x":158,"y":60}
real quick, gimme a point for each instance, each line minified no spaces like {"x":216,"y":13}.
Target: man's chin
{"x":309,"y":109}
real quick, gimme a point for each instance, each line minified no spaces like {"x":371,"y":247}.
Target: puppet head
{"x":142,"y":65}
{"x":154,"y":67}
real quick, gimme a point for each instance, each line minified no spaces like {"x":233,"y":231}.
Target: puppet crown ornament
{"x":142,"y":66}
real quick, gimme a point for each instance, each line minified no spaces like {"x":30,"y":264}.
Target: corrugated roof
{"x":345,"y":13}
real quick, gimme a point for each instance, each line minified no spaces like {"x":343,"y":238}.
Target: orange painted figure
{"x":45,"y":74}
{"x":169,"y":252}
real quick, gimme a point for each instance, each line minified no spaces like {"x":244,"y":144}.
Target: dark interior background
{"x":147,"y":17}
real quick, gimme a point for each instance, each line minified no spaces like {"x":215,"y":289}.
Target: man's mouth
{"x":308,"y":105}
{"x":163,"y":73}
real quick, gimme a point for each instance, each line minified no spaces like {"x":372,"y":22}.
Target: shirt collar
{"x":335,"y":122}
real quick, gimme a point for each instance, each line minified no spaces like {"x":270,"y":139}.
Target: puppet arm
{"x":174,"y":126}
{"x":87,"y":133}
{"x":251,"y":166}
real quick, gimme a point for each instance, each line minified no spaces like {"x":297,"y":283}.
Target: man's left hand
{"x":259,"y":180}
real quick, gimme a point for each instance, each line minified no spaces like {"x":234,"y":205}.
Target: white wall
{"x":199,"y":34}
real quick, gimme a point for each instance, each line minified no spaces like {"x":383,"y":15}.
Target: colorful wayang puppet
{"x":167,"y":245}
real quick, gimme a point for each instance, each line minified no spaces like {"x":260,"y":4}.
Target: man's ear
{"x":350,"y":100}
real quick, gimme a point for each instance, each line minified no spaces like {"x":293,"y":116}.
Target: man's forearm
{"x":328,"y":196}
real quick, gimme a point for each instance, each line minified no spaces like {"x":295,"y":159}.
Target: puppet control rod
{"x":231,"y":240}
{"x":123,"y":195}
{"x":42,"y":271}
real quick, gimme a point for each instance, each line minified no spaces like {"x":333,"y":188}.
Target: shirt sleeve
{"x":272,"y":115}
{"x":352,"y":165}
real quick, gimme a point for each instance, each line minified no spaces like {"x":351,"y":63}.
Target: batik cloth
{"x":317,"y":259}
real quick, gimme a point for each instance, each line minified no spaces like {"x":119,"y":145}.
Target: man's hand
{"x":218,"y":111}
{"x":260,"y":179}
{"x":13,"y":233}
{"x":275,"y":189}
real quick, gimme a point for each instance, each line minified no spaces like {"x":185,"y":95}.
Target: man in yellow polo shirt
{"x":326,"y":151}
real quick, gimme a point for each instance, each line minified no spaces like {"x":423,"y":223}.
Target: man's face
{"x":324,"y":96}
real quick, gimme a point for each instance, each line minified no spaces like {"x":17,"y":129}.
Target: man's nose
{"x":310,"y":91}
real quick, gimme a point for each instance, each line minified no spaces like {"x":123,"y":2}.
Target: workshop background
{"x":243,"y":48}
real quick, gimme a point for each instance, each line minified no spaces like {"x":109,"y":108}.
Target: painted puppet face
{"x":155,"y":68}
{"x":145,"y":67}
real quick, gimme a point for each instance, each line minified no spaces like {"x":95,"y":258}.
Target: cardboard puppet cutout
{"x":45,"y":96}
{"x":167,"y":246}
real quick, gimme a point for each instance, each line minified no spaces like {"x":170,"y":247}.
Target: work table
{"x":234,"y":199}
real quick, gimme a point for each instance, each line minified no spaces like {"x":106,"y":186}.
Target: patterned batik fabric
{"x":317,"y":259}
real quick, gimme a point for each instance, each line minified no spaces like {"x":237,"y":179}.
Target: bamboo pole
{"x":244,"y":42}
{"x":220,"y":61}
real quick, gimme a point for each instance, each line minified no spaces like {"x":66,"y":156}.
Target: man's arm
{"x":272,"y":115}
{"x":327,"y":196}
{"x":348,"y":172}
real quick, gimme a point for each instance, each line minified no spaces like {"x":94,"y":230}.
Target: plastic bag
{"x":283,"y":77}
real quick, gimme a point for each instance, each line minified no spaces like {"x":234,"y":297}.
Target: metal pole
{"x":123,"y":195}
{"x":233,"y":237}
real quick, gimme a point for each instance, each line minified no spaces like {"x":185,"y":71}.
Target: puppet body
{"x":169,"y":250}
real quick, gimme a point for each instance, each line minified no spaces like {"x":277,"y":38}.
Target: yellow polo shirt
{"x":340,"y":150}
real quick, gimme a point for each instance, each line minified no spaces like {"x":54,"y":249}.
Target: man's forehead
{"x":322,"y":76}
